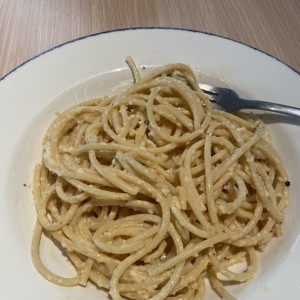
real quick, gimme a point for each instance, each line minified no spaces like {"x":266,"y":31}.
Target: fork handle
{"x":269,"y":106}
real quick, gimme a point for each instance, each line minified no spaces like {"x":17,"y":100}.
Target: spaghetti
{"x":152,"y":192}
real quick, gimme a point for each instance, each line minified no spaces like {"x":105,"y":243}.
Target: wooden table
{"x":28,"y":27}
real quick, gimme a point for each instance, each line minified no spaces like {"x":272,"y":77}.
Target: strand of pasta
{"x":190,"y":252}
{"x":35,"y":249}
{"x":209,"y":179}
{"x":239,"y":277}
{"x":218,"y":286}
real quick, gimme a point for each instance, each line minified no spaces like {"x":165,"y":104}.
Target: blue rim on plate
{"x":144,"y":28}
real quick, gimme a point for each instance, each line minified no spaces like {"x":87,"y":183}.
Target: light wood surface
{"x":29,"y":27}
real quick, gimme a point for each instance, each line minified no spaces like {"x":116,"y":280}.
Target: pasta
{"x":153,"y":194}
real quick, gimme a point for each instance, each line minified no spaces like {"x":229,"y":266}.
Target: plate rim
{"x":99,"y":33}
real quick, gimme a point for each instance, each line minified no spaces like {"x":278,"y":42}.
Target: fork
{"x":230,"y":101}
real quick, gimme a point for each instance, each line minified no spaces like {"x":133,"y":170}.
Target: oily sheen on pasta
{"x":153,"y":194}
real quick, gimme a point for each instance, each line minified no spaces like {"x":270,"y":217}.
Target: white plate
{"x":92,"y":66}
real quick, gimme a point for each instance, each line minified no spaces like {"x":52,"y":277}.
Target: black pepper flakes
{"x":287,"y":183}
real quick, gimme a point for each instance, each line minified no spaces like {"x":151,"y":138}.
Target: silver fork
{"x":231,"y":102}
